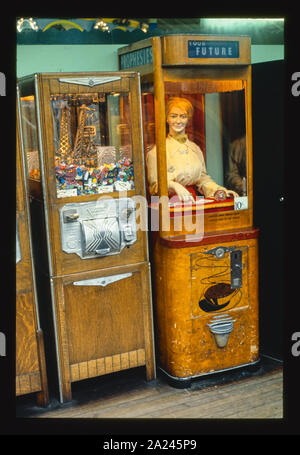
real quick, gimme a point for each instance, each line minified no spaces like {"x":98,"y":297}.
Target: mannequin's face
{"x":177,"y":120}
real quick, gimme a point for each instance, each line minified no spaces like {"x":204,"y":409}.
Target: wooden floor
{"x":237,"y":394}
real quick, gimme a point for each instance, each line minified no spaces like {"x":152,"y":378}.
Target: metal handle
{"x":102,"y":251}
{"x":103,"y":281}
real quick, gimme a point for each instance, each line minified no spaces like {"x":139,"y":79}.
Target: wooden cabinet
{"x":204,"y":252}
{"x":87,"y":180}
{"x":31,"y":375}
{"x":205,"y":324}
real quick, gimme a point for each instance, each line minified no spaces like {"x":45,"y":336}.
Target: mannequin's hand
{"x":182,"y":193}
{"x":231,"y":193}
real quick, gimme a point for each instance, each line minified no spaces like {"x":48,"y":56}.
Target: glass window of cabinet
{"x":213,"y":136}
{"x":93,"y":144}
{"x":30,"y":136}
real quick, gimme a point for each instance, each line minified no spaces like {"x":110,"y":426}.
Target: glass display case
{"x":211,"y":163}
{"x":93,"y":149}
{"x":217,"y":126}
{"x":197,"y":122}
{"x":82,"y":140}
{"x":218,"y":152}
{"x":91,"y":138}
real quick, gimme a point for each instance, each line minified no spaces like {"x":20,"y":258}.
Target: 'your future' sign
{"x":213,"y":49}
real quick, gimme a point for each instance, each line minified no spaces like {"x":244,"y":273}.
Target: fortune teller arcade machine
{"x":196,"y":104}
{"x":82,"y":139}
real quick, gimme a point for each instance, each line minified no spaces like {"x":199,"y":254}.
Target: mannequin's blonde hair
{"x":182,"y":103}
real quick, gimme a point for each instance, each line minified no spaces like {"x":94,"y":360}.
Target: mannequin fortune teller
{"x":186,"y":168}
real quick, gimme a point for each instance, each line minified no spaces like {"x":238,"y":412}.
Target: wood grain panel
{"x":103,"y":321}
{"x":28,"y":383}
{"x":106,"y":365}
{"x":26,"y":343}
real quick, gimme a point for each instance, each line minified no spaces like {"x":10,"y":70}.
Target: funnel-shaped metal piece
{"x":221,"y":327}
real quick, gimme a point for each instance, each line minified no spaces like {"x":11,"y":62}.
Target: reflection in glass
{"x":29,"y":134}
{"x":225,"y":139}
{"x":92,"y":138}
{"x":236,"y":172}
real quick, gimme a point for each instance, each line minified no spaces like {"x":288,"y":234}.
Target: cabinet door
{"x":105,"y":322}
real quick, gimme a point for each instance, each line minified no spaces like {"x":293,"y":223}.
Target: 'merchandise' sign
{"x":213,"y":49}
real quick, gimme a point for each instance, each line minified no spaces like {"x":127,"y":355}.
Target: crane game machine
{"x":86,"y":173}
{"x":196,"y":99}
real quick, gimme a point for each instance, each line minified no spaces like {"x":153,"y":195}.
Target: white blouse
{"x":185,"y":165}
